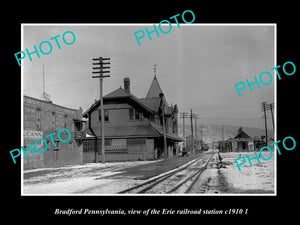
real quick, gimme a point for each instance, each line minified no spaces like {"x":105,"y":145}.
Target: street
{"x":111,"y":178}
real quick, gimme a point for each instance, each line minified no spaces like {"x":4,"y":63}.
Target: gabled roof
{"x":120,"y":92}
{"x":117,"y":94}
{"x":242,"y":134}
{"x":151,"y":103}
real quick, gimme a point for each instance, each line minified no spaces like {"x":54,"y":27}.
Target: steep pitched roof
{"x":154,"y":89}
{"x":152,"y":103}
{"x":242,"y":134}
{"x":154,"y":92}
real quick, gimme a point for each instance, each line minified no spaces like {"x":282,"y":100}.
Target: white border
{"x":151,"y":24}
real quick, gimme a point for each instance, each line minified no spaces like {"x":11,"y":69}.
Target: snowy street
{"x":87,"y":178}
{"x":111,"y":178}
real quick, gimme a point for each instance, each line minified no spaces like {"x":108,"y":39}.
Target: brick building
{"x":133,"y":126}
{"x":41,"y":118}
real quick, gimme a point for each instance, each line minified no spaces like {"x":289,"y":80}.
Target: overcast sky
{"x":197,"y":67}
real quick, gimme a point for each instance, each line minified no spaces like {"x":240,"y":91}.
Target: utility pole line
{"x":201,"y":137}
{"x":43,"y":83}
{"x":101,"y":62}
{"x":192,"y":130}
{"x":264,"y":109}
{"x":271,"y":107}
{"x":222,"y":132}
{"x":183,"y":116}
{"x":196,"y":131}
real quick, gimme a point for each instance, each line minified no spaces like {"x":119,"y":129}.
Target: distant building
{"x":133,"y":126}
{"x":242,"y":142}
{"x":225,"y":146}
{"x":42,"y":118}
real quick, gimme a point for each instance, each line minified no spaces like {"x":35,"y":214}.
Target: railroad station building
{"x":41,"y":118}
{"x":133,"y":127}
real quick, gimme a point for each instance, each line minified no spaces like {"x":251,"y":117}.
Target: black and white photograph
{"x":184,"y":113}
{"x":149,"y":112}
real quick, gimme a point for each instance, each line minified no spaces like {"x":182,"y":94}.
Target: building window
{"x":106,"y":115}
{"x":136,"y":141}
{"x":71,"y":145}
{"x":107,"y":142}
{"x":118,"y":142}
{"x":135,"y":115}
{"x":131,"y":114}
{"x":78,"y":125}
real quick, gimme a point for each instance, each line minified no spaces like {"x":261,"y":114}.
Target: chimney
{"x":127,"y":84}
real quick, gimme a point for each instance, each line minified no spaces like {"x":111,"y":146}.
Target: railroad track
{"x":179,"y":180}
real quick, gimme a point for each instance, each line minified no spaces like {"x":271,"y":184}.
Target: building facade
{"x":41,"y":118}
{"x":134,"y":128}
{"x":242,"y":142}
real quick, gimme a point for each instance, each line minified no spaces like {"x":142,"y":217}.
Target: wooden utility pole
{"x":43,"y":83}
{"x":264,"y":109}
{"x":222,"y":132}
{"x":271,"y":107}
{"x":101,"y":71}
{"x":183,"y":116}
{"x":196,"y":133}
{"x":192,"y":131}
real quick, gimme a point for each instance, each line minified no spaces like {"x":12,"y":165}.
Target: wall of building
{"x":237,"y":144}
{"x":118,"y":116}
{"x":125,"y":152}
{"x":46,"y":118}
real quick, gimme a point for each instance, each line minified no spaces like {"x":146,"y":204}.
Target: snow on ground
{"x":87,"y":178}
{"x":258,"y":179}
{"x":95,"y":178}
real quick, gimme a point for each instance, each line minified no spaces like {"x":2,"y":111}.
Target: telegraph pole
{"x":264,"y":109}
{"x":196,"y":117}
{"x":222,"y":132}
{"x":101,"y":70}
{"x":196,"y":135}
{"x":201,"y":137}
{"x":271,"y":107}
{"x":183,"y":116}
{"x":192,"y":115}
{"x":43,"y":83}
